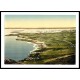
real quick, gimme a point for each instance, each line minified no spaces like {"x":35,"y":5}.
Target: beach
{"x":43,"y":48}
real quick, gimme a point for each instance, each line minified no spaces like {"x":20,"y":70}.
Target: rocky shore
{"x":10,"y":61}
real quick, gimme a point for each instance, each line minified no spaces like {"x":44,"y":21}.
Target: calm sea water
{"x":17,"y":50}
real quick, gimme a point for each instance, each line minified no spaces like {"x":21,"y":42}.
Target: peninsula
{"x":52,"y":48}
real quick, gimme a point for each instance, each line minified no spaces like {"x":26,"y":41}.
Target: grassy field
{"x":60,"y":48}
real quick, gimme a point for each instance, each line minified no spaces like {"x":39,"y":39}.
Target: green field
{"x":60,"y":48}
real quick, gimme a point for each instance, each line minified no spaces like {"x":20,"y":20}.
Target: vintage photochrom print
{"x":40,"y":39}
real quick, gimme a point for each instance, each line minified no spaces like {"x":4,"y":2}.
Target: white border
{"x":39,"y":66}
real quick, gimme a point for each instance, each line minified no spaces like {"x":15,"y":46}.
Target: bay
{"x":17,"y":50}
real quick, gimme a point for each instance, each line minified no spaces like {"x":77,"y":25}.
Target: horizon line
{"x":43,"y":28}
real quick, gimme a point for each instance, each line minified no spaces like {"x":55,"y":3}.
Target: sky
{"x":40,"y":21}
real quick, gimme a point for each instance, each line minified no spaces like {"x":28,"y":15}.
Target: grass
{"x":59,"y":45}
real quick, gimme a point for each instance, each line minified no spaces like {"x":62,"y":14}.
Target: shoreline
{"x":36,"y":45}
{"x":35,"y":48}
{"x":31,"y":52}
{"x":40,"y":48}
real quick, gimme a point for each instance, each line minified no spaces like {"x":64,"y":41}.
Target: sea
{"x":18,"y":50}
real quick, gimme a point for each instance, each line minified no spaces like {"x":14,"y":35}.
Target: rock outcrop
{"x":9,"y":61}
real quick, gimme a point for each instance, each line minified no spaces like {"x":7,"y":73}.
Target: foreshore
{"x":36,"y":44}
{"x":48,"y":48}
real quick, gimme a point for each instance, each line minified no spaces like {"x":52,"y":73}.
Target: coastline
{"x":12,"y":61}
{"x":35,"y":48}
{"x":36,"y":44}
{"x":37,"y":54}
